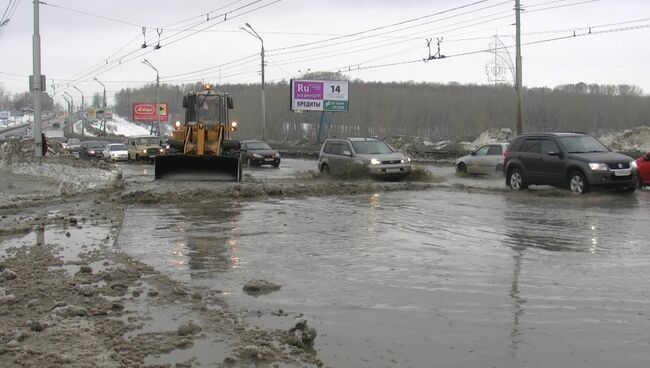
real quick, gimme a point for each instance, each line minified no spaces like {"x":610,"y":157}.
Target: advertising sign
{"x":319,"y":95}
{"x":146,"y":111}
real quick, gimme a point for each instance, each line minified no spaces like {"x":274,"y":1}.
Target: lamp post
{"x":83,"y":111}
{"x":65,"y":126}
{"x":147,"y":63}
{"x":70,"y":108}
{"x":254,"y":34}
{"x":104,"y":114}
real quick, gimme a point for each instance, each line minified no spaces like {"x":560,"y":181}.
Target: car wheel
{"x":462,"y":168}
{"x":577,"y":183}
{"x":324,"y":169}
{"x":516,"y":180}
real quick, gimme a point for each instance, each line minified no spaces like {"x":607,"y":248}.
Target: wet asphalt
{"x":445,"y":277}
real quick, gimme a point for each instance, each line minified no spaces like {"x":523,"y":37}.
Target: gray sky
{"x":77,"y":47}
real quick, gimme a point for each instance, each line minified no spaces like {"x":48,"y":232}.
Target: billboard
{"x":146,"y":111}
{"x":319,"y":95}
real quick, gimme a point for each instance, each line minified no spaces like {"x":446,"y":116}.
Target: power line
{"x":226,"y":18}
{"x":9,"y":12}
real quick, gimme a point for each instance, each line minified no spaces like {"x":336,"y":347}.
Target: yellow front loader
{"x":204,"y":149}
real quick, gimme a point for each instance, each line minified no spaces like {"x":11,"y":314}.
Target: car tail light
{"x":506,"y":155}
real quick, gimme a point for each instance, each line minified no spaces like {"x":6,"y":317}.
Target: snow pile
{"x":121,"y":126}
{"x":631,"y":140}
{"x":73,"y":175}
{"x":503,"y":135}
{"x":71,"y":179}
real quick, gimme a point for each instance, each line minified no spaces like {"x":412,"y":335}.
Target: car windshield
{"x":95,"y":145}
{"x":258,"y":146}
{"x":209,"y":108}
{"x":371,"y":147}
{"x":118,"y":147}
{"x":582,"y":144}
{"x":147,"y":140}
{"x":73,"y":141}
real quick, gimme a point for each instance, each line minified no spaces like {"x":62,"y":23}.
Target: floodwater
{"x":437,"y":278}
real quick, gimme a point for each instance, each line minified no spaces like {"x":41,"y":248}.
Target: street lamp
{"x":254,"y":34}
{"x":147,"y":63}
{"x":66,"y":121}
{"x":83,"y":111}
{"x":71,"y":102}
{"x":104,"y":114}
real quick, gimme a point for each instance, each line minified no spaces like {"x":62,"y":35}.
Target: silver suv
{"x":377,"y":156}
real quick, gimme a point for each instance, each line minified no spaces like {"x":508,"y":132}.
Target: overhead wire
{"x":226,"y":18}
{"x":8,"y":14}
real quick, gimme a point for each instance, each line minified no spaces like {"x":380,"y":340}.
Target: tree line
{"x":432,"y":110}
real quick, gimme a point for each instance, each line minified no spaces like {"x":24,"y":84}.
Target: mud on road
{"x":69,"y":299}
{"x":124,"y":271}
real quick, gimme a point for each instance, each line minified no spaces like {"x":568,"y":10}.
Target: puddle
{"x":205,"y":352}
{"x":394,"y":279}
{"x":67,"y":243}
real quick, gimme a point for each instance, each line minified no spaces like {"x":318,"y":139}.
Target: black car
{"x":91,"y":149}
{"x":576,"y":161}
{"x":257,"y":153}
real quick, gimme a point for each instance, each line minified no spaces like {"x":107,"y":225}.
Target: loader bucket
{"x":191,"y":167}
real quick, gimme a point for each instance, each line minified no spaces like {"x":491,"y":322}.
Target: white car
{"x":116,"y":152}
{"x":487,"y":159}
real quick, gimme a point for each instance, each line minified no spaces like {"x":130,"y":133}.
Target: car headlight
{"x":598,"y":166}
{"x":374,"y":161}
{"x":144,"y":151}
{"x":633,"y":165}
{"x":162,"y":150}
{"x":256,"y":155}
{"x":91,"y":152}
{"x":406,"y":160}
{"x":276,"y":155}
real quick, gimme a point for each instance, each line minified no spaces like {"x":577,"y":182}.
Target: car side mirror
{"x":473,"y":153}
{"x":347,"y":153}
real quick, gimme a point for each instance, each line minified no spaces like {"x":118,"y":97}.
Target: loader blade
{"x":190,"y":167}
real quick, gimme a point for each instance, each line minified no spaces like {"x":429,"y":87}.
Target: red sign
{"x":146,"y":111}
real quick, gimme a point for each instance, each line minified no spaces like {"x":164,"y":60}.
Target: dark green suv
{"x":576,"y":161}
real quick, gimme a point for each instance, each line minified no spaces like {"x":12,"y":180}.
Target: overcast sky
{"x":299,"y":35}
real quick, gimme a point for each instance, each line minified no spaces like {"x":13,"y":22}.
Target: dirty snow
{"x":631,"y":140}
{"x":71,"y":179}
{"x":121,"y":126}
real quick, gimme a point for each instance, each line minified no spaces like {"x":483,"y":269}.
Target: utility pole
{"x":36,"y":84}
{"x":254,"y":34}
{"x":520,"y":117}
{"x":147,"y":63}
{"x":104,"y":114}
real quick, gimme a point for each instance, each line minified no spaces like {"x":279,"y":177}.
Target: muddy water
{"x":435,"y":278}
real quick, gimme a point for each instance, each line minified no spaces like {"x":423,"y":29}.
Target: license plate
{"x":393,"y":170}
{"x":268,"y":159}
{"x":626,"y":172}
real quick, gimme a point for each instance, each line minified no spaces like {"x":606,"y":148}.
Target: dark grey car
{"x":575,"y":161}
{"x":258,"y":153}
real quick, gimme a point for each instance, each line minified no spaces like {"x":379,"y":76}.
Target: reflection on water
{"x":201,"y":239}
{"x":410,"y":278}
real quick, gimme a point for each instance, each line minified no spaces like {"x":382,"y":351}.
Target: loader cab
{"x":209,"y":108}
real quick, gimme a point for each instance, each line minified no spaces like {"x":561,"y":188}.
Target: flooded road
{"x":432,"y":278}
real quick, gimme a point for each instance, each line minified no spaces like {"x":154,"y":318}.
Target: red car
{"x":643,"y":166}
